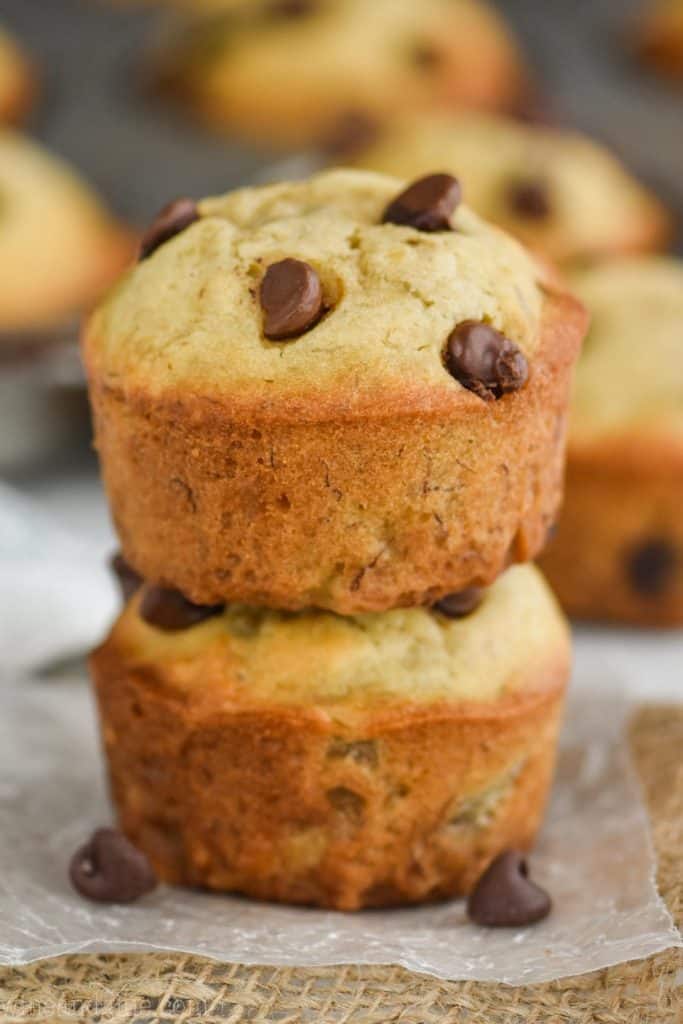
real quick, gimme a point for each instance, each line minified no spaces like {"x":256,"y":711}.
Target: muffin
{"x":344,"y":762}
{"x":305,"y":72}
{"x":660,"y":38}
{"x":303,"y":399}
{"x":618,"y":553}
{"x":562,"y":194}
{"x":59,"y":248}
{"x":17,"y":83}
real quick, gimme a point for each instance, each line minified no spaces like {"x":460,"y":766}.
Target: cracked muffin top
{"x":316,"y":657}
{"x":341,"y":285}
{"x":561,"y":193}
{"x":629,"y":378}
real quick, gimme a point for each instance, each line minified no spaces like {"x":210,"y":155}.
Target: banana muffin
{"x":17,"y":81}
{"x":660,"y":37}
{"x":337,"y":393}
{"x":302,"y":72}
{"x":344,"y":762}
{"x":59,"y":247}
{"x":618,"y":553}
{"x":562,"y":194}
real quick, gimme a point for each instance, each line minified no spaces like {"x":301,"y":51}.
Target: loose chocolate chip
{"x":351,"y":132}
{"x":484,"y":360}
{"x":171,"y":611}
{"x":651,"y":567}
{"x":427,"y":204}
{"x":460,"y":604}
{"x":291,"y":298}
{"x":530,"y":199}
{"x":129,"y":581}
{"x":505,"y":896}
{"x":109,"y":869}
{"x":170,"y":221}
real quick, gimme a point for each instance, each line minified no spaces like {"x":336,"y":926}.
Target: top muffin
{"x":339,"y":392}
{"x":299,"y":72}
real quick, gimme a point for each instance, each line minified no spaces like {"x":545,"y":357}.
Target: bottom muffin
{"x":343,"y":762}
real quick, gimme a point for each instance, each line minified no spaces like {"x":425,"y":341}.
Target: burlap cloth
{"x":168,"y":989}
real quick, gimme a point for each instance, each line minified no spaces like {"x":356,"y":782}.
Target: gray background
{"x":140,"y":152}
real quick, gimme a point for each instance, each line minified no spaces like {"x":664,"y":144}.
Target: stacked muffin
{"x":330,"y":415}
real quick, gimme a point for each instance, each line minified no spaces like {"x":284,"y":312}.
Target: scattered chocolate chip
{"x":460,"y":604}
{"x":530,"y":199}
{"x":427,"y":204}
{"x":651,"y":567}
{"x":169,"y":610}
{"x":484,"y":360}
{"x":350,"y":134}
{"x":109,"y":869}
{"x":291,"y":8}
{"x":129,"y":581}
{"x":505,"y":896}
{"x":170,"y":221}
{"x":291,"y":297}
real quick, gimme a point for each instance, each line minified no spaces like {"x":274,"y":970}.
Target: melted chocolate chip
{"x":505,"y":896}
{"x":530,"y":199}
{"x":460,"y":604}
{"x":427,"y":204}
{"x":171,"y":611}
{"x":291,"y":298}
{"x":651,"y":567}
{"x":170,"y":221}
{"x":484,"y":360}
{"x":109,"y":869}
{"x":129,"y":581}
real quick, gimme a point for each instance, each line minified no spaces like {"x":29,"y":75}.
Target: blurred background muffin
{"x":17,"y":82}
{"x":561,"y":193}
{"x":301,"y":72}
{"x":59,"y":246}
{"x":618,"y":552}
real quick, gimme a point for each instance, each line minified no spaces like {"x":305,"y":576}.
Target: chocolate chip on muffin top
{"x":170,"y":221}
{"x":291,"y":298}
{"x":427,"y":204}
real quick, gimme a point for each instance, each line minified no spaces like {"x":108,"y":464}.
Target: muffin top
{"x":302,"y":71}
{"x":369,"y":319}
{"x":561,"y":193}
{"x":630,"y":375}
{"x":59,"y":248}
{"x":352,"y":663}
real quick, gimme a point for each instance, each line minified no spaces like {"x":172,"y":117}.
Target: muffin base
{"x":359,"y":508}
{"x":621,"y":499}
{"x":402,"y":805}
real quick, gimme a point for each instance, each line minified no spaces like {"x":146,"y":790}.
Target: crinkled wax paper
{"x":594,"y":856}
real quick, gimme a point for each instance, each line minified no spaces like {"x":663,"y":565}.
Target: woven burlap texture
{"x":172,"y":989}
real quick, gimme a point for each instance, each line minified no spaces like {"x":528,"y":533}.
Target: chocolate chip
{"x":505,"y":896}
{"x":427,"y":56}
{"x":171,"y":611}
{"x":427,"y":204}
{"x":129,"y":581}
{"x":460,"y":604}
{"x":109,"y":869}
{"x":530,"y":199}
{"x":351,"y":133}
{"x":291,"y":8}
{"x":291,"y":298}
{"x":484,"y":360}
{"x":651,"y":567}
{"x":170,"y":221}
